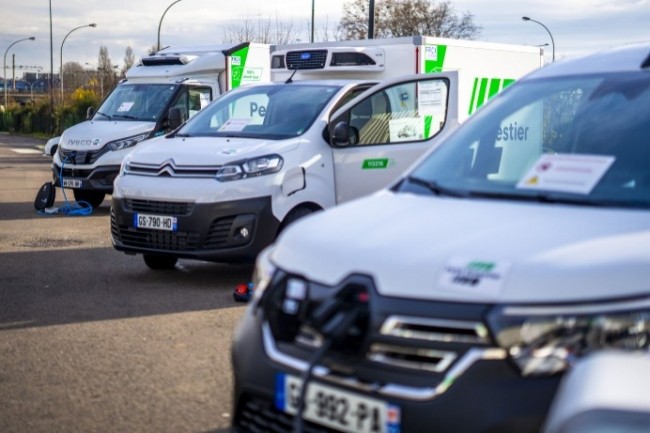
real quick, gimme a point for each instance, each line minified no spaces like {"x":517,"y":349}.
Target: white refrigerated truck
{"x":186,"y":77}
{"x":224,"y":185}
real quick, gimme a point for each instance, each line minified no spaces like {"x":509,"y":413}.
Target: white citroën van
{"x":455,"y":299}
{"x":224,"y":185}
{"x":89,"y":154}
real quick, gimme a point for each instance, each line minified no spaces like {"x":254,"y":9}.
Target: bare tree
{"x":75,"y":76}
{"x":106,"y":71}
{"x":265,"y":31}
{"x":394,"y":18}
{"x":129,"y":60}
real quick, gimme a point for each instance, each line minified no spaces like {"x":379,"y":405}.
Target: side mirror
{"x":90,"y":112}
{"x":341,"y":134}
{"x":175,"y":118}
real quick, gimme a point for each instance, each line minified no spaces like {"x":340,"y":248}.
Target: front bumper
{"x":96,"y":179}
{"x":233,"y":231}
{"x":480,"y":391}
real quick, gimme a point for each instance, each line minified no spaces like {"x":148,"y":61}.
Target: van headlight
{"x":548,"y":340}
{"x":127,"y":142}
{"x":250,"y":168}
{"x":262,"y":274}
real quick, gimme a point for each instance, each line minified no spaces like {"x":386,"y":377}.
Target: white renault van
{"x":454,"y":300}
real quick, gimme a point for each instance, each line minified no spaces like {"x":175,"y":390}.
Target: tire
{"x":53,"y":150}
{"x":294,"y":216}
{"x":159,"y":263}
{"x":94,"y":198}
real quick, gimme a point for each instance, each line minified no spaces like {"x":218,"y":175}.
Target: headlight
{"x":126,"y":164}
{"x":547,"y":340}
{"x":262,"y":274}
{"x":250,"y":168}
{"x":127,"y":142}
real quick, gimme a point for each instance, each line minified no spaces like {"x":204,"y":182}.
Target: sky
{"x":577,"y":27}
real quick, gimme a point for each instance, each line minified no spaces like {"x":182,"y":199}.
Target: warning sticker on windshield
{"x":577,"y":174}
{"x":234,"y":125}
{"x":481,"y":277}
{"x":125,"y":106}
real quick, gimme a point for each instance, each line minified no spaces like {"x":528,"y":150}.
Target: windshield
{"x":144,"y":102}
{"x":262,"y":111}
{"x":580,"y":140}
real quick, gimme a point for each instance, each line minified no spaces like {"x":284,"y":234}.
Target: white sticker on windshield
{"x":571,"y":173}
{"x":125,"y":106}
{"x":234,"y":125}
{"x":480,"y":277}
{"x":431,"y":95}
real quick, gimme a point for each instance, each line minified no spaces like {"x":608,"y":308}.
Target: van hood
{"x":205,"y":151}
{"x":93,"y":134}
{"x":469,"y":250}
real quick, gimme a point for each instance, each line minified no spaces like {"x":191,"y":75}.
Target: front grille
{"x":159,"y":207}
{"x":81,"y":156}
{"x":256,"y":415}
{"x":448,"y":331}
{"x":412,"y":357}
{"x":313,"y":59}
{"x":171,"y":169}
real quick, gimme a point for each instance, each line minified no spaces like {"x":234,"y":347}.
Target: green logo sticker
{"x":481,"y":266}
{"x":377,"y":163}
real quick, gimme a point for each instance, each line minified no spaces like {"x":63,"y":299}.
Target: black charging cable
{"x":333,"y":319}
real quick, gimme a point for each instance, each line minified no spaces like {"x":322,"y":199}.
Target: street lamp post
{"x":61,"y":56}
{"x":4,"y":65}
{"x":546,"y":28}
{"x":160,"y":23}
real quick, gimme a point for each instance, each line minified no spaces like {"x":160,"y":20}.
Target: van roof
{"x":629,"y":58}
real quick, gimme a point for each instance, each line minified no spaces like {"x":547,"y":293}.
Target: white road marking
{"x":27,"y":151}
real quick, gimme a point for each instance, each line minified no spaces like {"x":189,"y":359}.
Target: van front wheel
{"x":159,"y":262}
{"x":294,"y":216}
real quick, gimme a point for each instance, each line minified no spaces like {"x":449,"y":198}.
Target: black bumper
{"x":97,"y":179}
{"x":219,"y":232}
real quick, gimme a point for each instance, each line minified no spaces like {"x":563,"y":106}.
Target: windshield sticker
{"x":407,"y":129}
{"x":570,"y":173}
{"x":126,"y":106}
{"x":481,"y":277}
{"x":234,"y":125}
{"x":430,"y":97}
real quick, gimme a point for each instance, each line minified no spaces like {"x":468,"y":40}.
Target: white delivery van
{"x":455,"y":299}
{"x":186,"y":77}
{"x":222,"y":186}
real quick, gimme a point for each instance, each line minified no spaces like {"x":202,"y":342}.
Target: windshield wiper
{"x":126,"y":116}
{"x":104,"y":114}
{"x":435,"y":187}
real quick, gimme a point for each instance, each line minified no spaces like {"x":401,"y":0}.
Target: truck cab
{"x":187,"y":78}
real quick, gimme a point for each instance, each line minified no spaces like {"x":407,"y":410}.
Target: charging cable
{"x":333,"y":319}
{"x":79,"y":208}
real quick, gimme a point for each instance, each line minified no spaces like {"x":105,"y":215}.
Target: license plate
{"x":341,"y":410}
{"x":156,"y":222}
{"x":71,"y":183}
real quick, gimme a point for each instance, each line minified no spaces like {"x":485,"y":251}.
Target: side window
{"x":406,"y":112}
{"x":190,"y":101}
{"x":199,"y":98}
{"x":182,"y":104}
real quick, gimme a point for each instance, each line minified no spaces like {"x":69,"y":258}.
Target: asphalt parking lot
{"x":91,"y":340}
